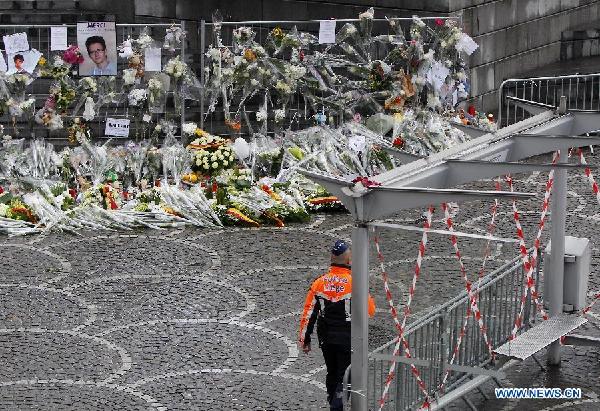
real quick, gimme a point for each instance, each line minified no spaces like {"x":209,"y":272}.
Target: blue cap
{"x":339,"y":247}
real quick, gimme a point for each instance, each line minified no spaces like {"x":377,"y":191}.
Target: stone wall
{"x":517,"y":36}
{"x":576,"y":44}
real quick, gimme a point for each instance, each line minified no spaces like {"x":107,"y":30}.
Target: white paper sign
{"x":152,"y":60}
{"x":3,"y":67}
{"x":14,"y":43}
{"x":437,"y":74}
{"x":58,"y":38}
{"x":327,"y":32}
{"x":466,"y":44}
{"x":117,"y":127}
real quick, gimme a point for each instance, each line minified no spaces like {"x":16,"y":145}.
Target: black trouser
{"x":337,"y":359}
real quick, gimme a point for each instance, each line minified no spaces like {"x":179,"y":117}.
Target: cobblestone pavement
{"x":199,"y":319}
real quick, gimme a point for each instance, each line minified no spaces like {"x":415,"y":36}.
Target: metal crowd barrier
{"x":582,"y":92}
{"x":433,"y":337}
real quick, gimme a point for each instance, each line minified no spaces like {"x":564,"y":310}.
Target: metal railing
{"x":516,"y":95}
{"x":433,"y":337}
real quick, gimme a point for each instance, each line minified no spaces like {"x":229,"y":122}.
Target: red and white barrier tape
{"x":468,"y":286}
{"x":528,"y":265}
{"x":589,"y":307}
{"x":400,"y":326}
{"x":486,"y":254}
{"x":596,"y":190}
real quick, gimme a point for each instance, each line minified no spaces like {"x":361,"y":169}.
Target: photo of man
{"x":97,"y":42}
{"x":96,"y":49}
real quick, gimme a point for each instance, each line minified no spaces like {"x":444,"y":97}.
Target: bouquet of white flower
{"x":211,"y":154}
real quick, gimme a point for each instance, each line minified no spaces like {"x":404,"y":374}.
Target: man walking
{"x":328,"y":304}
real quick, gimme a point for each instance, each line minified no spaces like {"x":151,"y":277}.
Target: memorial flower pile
{"x":288,"y":103}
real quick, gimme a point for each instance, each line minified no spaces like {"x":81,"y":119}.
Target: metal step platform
{"x":540,"y":336}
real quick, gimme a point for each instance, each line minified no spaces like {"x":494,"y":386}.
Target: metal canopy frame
{"x":426,"y":181}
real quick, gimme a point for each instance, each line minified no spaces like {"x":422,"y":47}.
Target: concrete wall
{"x":240,"y":10}
{"x":516,"y":36}
{"x":578,"y":44}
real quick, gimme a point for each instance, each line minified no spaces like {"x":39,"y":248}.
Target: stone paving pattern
{"x":208,"y":319}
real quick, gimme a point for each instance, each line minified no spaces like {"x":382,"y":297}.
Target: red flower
{"x":439,"y":22}
{"x":366,"y":182}
{"x":1,"y":190}
{"x":398,"y":142}
{"x":73,"y":192}
{"x":471,"y":110}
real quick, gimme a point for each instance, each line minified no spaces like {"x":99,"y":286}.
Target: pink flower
{"x":50,"y":103}
{"x":72,"y":55}
{"x":439,"y":22}
{"x":366,"y":182}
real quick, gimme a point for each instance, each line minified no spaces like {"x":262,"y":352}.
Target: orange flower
{"x":249,"y":55}
{"x":278,"y":221}
{"x":323,"y":200}
{"x":238,"y":215}
{"x":234,"y":125}
{"x":270,"y":192}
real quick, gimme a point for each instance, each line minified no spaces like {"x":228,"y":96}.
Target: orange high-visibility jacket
{"x":328,"y":299}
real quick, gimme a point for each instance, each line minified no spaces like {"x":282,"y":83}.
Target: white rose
{"x":225,"y":163}
{"x":215,"y":165}
{"x":205,"y":166}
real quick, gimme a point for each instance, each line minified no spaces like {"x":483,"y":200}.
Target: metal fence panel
{"x":434,"y":337}
{"x":581,"y":90}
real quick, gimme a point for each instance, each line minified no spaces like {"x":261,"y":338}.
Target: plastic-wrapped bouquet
{"x":137,"y":97}
{"x":176,"y":68}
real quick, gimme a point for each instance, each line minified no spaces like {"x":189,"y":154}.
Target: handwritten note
{"x":14,"y":43}
{"x":327,"y":32}
{"x":58,"y":38}
{"x":117,"y":127}
{"x":152,"y":59}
